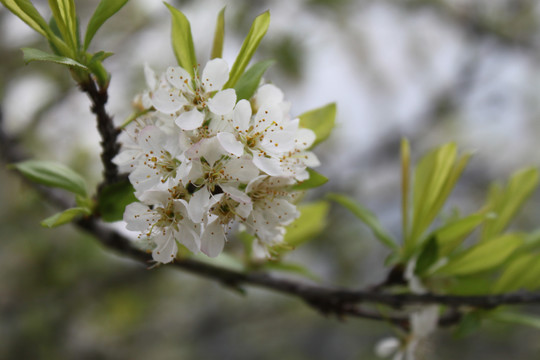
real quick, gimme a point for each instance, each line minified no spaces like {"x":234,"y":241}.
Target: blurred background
{"x":431,"y":70}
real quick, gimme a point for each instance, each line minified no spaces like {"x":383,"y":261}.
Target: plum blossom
{"x":201,"y":162}
{"x":272,"y":208}
{"x":197,"y":97}
{"x":164,"y":222}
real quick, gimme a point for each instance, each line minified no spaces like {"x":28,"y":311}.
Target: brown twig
{"x":108,"y":132}
{"x":328,"y":300}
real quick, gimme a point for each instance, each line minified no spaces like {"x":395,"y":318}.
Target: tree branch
{"x":328,"y":300}
{"x":108,"y":132}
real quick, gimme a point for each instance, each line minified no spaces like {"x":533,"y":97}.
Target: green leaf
{"x":254,"y":37}
{"x":311,"y":222}
{"x":515,"y":318}
{"x":530,"y":276}
{"x":113,"y":199}
{"x":517,"y":273}
{"x":30,"y":54}
{"x":507,"y":202}
{"x":468,"y":324}
{"x":435,"y":176}
{"x":315,"y":180}
{"x":405,"y":184}
{"x":482,"y":256}
{"x":219,"y":35}
{"x":451,"y":235}
{"x":28,"y":13}
{"x":65,"y":217}
{"x":321,"y":121}
{"x":52,"y":174}
{"x":99,"y":57}
{"x":104,"y":11}
{"x":470,"y":284}
{"x":367,"y":217}
{"x":182,"y":40}
{"x":429,"y":177}
{"x":250,"y":80}
{"x":98,"y":70}
{"x":64,"y":15}
{"x":428,"y":256}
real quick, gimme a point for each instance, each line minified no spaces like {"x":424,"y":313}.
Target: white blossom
{"x":163,"y":223}
{"x":196,"y":96}
{"x":201,"y":162}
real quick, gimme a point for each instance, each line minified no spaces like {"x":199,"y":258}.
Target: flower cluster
{"x":201,"y":161}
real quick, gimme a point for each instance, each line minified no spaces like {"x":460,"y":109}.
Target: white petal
{"x":300,"y":174}
{"x":150,"y":77}
{"x":223,"y":102}
{"x":178,"y":77}
{"x":211,"y":150}
{"x":280,"y":211}
{"x":241,"y":170}
{"x":198,"y":205}
{"x":151,"y":138}
{"x":167,"y":101}
{"x":243,"y":210}
{"x":268,"y":95}
{"x":190,"y":120}
{"x":270,"y":166}
{"x":268,"y":233}
{"x":143,"y":179}
{"x":215,"y":75}
{"x":278,"y":141}
{"x":156,"y":197}
{"x":189,"y":239}
{"x":267,"y":116}
{"x":254,"y":183}
{"x":424,"y":322}
{"x":166,"y":251}
{"x":236,"y":194}
{"x":259,"y":251}
{"x":192,"y":171}
{"x":137,"y":215}
{"x":228,"y":142}
{"x":387,"y":347}
{"x":305,"y":138}
{"x":126,"y":158}
{"x":309,"y":159}
{"x":213,"y":239}
{"x":242,"y":115}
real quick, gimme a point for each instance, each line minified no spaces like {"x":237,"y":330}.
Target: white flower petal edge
{"x":178,"y":77}
{"x":223,"y":102}
{"x":190,"y":120}
{"x":168,"y":101}
{"x":213,"y":239}
{"x":228,"y":142}
{"x":166,"y":249}
{"x":387,"y":346}
{"x":215,"y":75}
